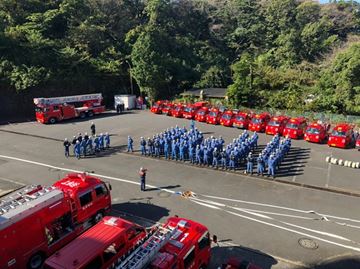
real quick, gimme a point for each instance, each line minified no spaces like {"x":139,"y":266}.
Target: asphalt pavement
{"x":307,"y":217}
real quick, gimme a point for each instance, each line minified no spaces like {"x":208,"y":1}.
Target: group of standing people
{"x":87,"y":144}
{"x":179,"y":144}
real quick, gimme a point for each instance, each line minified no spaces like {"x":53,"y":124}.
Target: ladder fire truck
{"x":52,"y":110}
{"x":36,"y":220}
{"x":180,"y":244}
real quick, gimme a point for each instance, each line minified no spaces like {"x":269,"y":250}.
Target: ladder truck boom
{"x":67,"y":99}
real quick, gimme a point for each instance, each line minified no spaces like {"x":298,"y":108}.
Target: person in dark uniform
{"x":67,"y":145}
{"x":142,"y":174}
{"x":93,"y":129}
{"x":74,"y":143}
{"x":79,"y":137}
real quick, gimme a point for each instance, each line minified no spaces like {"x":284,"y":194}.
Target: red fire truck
{"x":342,"y":136}
{"x":317,"y":132}
{"x":177,"y":111}
{"x":242,"y":120}
{"x":191,"y":109}
{"x":99,"y":247}
{"x":295,"y":128}
{"x":276,"y":125}
{"x":36,"y":221}
{"x":156,"y":108}
{"x":259,"y":122}
{"x":213,"y":117}
{"x":180,"y":243}
{"x":167,"y":108}
{"x":227,"y":118}
{"x":201,"y":114}
{"x":51,"y":110}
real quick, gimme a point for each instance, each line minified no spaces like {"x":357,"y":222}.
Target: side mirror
{"x":110,"y":187}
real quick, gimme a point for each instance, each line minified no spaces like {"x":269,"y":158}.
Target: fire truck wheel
{"x":36,"y":261}
{"x":90,"y":113}
{"x":52,"y":120}
{"x":82,"y":115}
{"x":98,"y":217}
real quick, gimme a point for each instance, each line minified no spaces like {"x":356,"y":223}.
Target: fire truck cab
{"x":201,"y":114}
{"x":242,"y":120}
{"x":99,"y":247}
{"x":295,"y":128}
{"x":213,"y":117}
{"x":191,"y":109}
{"x":167,"y":108}
{"x":227,"y":118}
{"x":52,"y":110}
{"x":177,"y":111}
{"x":317,"y":132}
{"x":36,"y":221}
{"x":156,"y":108}
{"x":276,"y":125}
{"x":342,"y":136}
{"x":259,"y":122}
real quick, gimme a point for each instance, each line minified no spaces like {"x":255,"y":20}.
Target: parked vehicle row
{"x":341,"y":135}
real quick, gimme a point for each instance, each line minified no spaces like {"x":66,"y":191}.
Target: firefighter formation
{"x":179,"y":144}
{"x":342,"y":135}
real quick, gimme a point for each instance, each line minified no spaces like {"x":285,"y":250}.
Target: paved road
{"x":262,"y":220}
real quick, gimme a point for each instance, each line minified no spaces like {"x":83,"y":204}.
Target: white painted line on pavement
{"x":328,"y":175}
{"x":12,"y":181}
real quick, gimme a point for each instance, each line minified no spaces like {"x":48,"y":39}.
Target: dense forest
{"x":286,"y":54}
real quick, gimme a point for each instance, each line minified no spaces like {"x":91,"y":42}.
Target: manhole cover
{"x":308,"y":243}
{"x":164,"y":194}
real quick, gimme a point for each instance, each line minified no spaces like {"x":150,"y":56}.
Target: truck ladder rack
{"x":146,"y":250}
{"x":67,"y":99}
{"x":26,"y":194}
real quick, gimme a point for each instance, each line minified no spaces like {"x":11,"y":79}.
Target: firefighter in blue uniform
{"x":271,"y":166}
{"x":166,"y":149}
{"x":215,"y":162}
{"x":130,"y":142}
{"x":83,"y":147}
{"x":249,"y":164}
{"x":89,"y":144}
{"x":260,"y":165}
{"x":107,"y":140}
{"x":101,"y":141}
{"x":232,"y":159}
{"x":223,"y":156}
{"x":77,"y":149}
{"x":198,"y":153}
{"x":97,"y":143}
{"x":143,"y":146}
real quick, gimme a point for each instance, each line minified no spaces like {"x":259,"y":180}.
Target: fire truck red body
{"x":295,"y":128}
{"x":191,"y":109}
{"x":316,"y":132}
{"x":342,"y":136}
{"x":51,"y":110}
{"x":227,"y":118}
{"x":179,"y":243}
{"x":276,"y":125}
{"x":37,"y":221}
{"x":156,"y":108}
{"x":213,"y":117}
{"x":259,"y":122}
{"x":357,"y":143}
{"x":177,"y":111}
{"x":242,"y":120}
{"x":99,"y":247}
{"x":167,"y":108}
{"x":201,"y":114}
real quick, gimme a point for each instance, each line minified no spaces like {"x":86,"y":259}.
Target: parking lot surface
{"x":307,"y":217}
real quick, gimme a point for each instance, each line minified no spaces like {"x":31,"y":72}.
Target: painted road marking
{"x":206,"y":203}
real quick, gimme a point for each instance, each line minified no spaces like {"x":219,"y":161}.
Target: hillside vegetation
{"x":284,"y":54}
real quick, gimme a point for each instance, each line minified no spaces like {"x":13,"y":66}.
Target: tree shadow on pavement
{"x":142,"y":212}
{"x":221,"y":254}
{"x":346,"y":262}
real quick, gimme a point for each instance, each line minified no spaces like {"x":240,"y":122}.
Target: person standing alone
{"x":142,"y":174}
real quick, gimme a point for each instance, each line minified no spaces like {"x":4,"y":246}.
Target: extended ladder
{"x":21,"y":197}
{"x":67,"y":99}
{"x":146,"y":251}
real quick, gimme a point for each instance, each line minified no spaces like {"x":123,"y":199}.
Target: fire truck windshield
{"x":240,"y":118}
{"x":313,"y":130}
{"x":213,"y":114}
{"x":201,"y":112}
{"x":256,"y":121}
{"x":188,"y":109}
{"x":338,"y":133}
{"x":178,"y":108}
{"x":226,"y":116}
{"x":274,"y":123}
{"x":292,"y":125}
